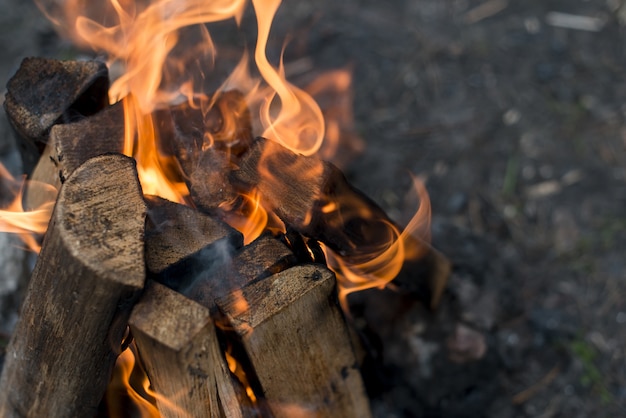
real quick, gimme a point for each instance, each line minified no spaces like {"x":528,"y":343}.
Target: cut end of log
{"x":275,"y":293}
{"x":168,"y":317}
{"x":96,"y":227}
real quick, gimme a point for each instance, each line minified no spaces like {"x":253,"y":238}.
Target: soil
{"x":519,"y":127}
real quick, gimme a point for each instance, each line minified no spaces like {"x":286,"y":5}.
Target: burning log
{"x":207,"y":138}
{"x":315,"y":198}
{"x":178,"y":345}
{"x":87,"y":277}
{"x":70,"y":145}
{"x":297,"y":342}
{"x":45,"y":92}
{"x":181,"y":242}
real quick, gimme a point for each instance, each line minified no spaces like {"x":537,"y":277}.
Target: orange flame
{"x":121,"y":382}
{"x":299,"y":124}
{"x":249,"y":218}
{"x":146,"y":38}
{"x":380,"y":268}
{"x":26,"y":224}
{"x":156,"y":171}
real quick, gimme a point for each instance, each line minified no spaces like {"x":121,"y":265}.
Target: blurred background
{"x":515,"y":113}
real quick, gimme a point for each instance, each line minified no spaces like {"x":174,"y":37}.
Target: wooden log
{"x":316,"y":199}
{"x":44,"y":92}
{"x":207,"y":138}
{"x":178,"y":345}
{"x":261,"y":258}
{"x":70,"y":145}
{"x":86,"y":279}
{"x":182,"y":243}
{"x":297,"y":342}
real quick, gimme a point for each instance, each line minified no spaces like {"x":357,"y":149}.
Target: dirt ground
{"x":517,"y":118}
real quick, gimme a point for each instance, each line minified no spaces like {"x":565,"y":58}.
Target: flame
{"x":130,"y":379}
{"x":249,"y":217}
{"x":121,"y":383}
{"x":147,"y":41}
{"x":382,"y":266}
{"x":333,"y":91}
{"x":299,"y":124}
{"x":155,"y":170}
{"x":26,"y":224}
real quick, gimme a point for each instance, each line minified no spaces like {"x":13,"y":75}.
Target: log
{"x":182,"y":243}
{"x":207,"y":138}
{"x":261,"y":258}
{"x":178,"y":345}
{"x":86,"y":279}
{"x":69,"y":146}
{"x":314,"y":197}
{"x":44,"y":92}
{"x":298,"y":345}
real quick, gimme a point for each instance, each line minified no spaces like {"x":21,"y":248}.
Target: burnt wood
{"x":178,"y":345}
{"x":44,"y":92}
{"x":86,"y":279}
{"x":315,"y":198}
{"x":207,"y":137}
{"x":72,"y":144}
{"x":298,"y":345}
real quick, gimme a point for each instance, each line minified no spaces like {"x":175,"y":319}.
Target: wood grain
{"x":87,"y":277}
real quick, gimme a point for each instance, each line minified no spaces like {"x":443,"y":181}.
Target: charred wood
{"x":314,"y":197}
{"x":87,"y":277}
{"x":296,"y":340}
{"x":207,"y":138}
{"x":45,"y":92}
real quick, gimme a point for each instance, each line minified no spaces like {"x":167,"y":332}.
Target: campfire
{"x":201,"y":245}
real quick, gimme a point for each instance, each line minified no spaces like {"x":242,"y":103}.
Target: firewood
{"x":86,"y":279}
{"x":314,"y":197}
{"x":182,"y":242}
{"x":70,"y":145}
{"x":44,"y":92}
{"x":207,"y":139}
{"x":261,"y":258}
{"x":178,"y":345}
{"x":297,"y":342}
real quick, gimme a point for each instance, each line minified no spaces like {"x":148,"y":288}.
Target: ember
{"x":209,"y":243}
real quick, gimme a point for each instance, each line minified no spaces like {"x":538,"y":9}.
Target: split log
{"x":178,"y":345}
{"x":182,"y":243}
{"x":315,"y":198}
{"x":297,"y":342}
{"x":87,"y":277}
{"x":207,"y":138}
{"x":45,"y":92}
{"x":69,"y":146}
{"x":261,"y":258}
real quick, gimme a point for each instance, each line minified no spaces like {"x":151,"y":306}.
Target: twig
{"x":531,"y":391}
{"x":485,"y":10}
